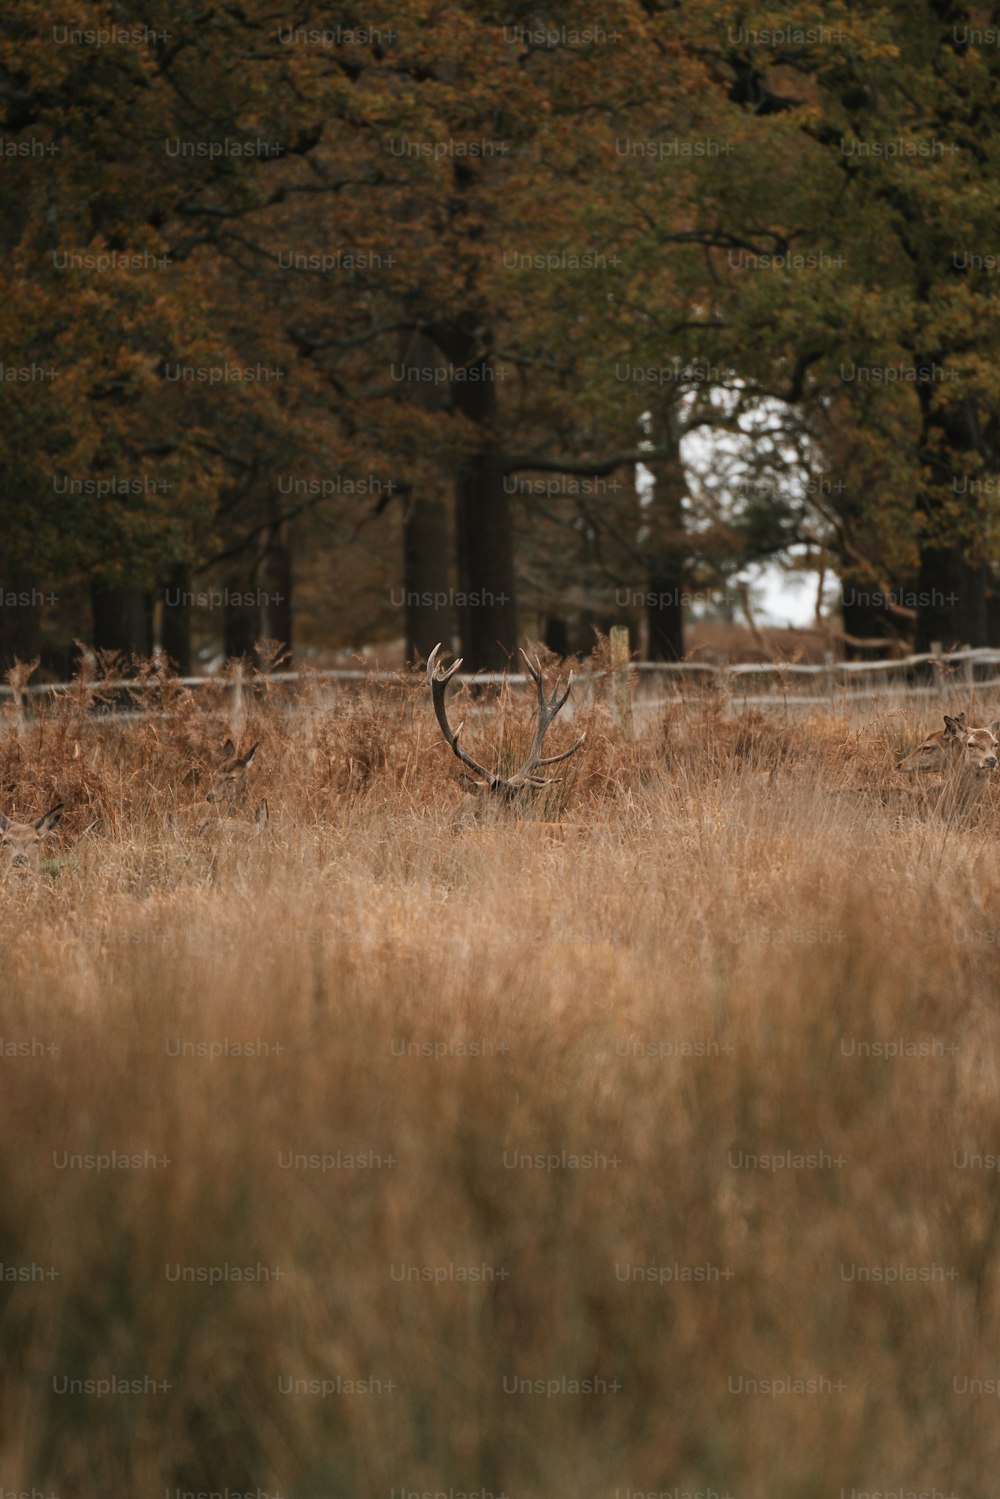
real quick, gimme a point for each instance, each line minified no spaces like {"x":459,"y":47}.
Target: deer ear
{"x":229,"y":749}
{"x":48,"y":820}
{"x":954,"y":725}
{"x":994,"y":727}
{"x":250,"y":754}
{"x":4,"y":823}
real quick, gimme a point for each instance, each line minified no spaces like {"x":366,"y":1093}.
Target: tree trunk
{"x":20,"y":617}
{"x":176,"y":621}
{"x":484,"y":526}
{"x":955,"y":585}
{"x":123,"y":620}
{"x":666,"y":545}
{"x":275,"y":580}
{"x":427,"y":596}
{"x":487,"y":607}
{"x":556,"y":635}
{"x":952,"y":599}
{"x":427,"y":600}
{"x":242,"y":621}
{"x":864,"y":616}
{"x":665,"y":615}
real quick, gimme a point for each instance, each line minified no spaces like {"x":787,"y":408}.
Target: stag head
{"x":507,"y":788}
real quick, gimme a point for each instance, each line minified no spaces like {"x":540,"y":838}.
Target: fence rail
{"x":828,"y":670}
{"x":633,"y":695}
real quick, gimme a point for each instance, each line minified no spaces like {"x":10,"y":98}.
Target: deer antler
{"x":505,"y":786}
{"x":439,"y":679}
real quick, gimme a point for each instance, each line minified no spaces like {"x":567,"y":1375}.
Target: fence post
{"x":18,"y":677}
{"x":621,"y":688}
{"x":20,"y":714}
{"x":937,"y":666}
{"x":236,"y":709}
{"x":831,"y":678}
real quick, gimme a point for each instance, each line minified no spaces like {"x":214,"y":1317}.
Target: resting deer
{"x":961,"y":760}
{"x":506,"y":788}
{"x":955,"y":747}
{"x":229,"y":783}
{"x":226,"y":793}
{"x":20,"y":842}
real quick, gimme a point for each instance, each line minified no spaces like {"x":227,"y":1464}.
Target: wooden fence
{"x":945,"y":673}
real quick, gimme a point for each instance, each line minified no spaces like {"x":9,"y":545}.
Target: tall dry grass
{"x":408,"y":1008}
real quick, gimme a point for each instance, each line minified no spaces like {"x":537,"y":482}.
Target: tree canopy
{"x":379,"y":315}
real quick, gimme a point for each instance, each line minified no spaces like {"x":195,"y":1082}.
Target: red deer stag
{"x":506,"y":788}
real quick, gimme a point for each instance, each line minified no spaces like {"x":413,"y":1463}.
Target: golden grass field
{"x":452,"y":1156}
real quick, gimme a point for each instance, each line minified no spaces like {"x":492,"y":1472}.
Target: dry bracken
{"x":386,"y":1157}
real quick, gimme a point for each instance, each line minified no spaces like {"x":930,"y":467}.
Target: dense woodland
{"x":324,"y":326}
